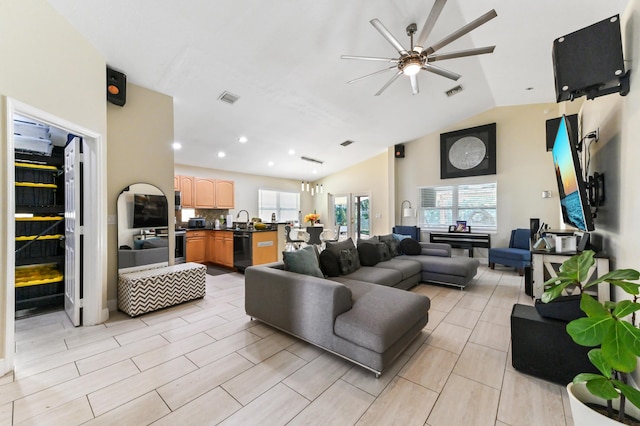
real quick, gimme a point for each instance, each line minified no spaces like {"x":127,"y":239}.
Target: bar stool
{"x":291,"y":244}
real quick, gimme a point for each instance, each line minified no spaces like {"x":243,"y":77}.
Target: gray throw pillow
{"x":392,"y":243}
{"x":303,"y":261}
{"x":349,"y":261}
{"x":155,"y":243}
{"x":338,"y":246}
{"x":411,"y":247}
{"x":383,"y":252}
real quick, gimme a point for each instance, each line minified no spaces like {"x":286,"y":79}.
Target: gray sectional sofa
{"x":361,"y":315}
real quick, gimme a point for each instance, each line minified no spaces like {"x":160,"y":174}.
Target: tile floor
{"x":206,"y":362}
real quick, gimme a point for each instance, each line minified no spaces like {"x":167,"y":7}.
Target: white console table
{"x":545,"y":266}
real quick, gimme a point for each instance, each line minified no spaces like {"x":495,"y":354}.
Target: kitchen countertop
{"x":230,"y":230}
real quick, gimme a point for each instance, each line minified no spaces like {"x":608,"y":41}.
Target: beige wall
{"x":524,"y":167}
{"x":47,"y":65}
{"x":138,"y":151}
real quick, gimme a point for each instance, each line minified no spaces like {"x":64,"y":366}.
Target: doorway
{"x":93,"y":230}
{"x":351,"y":215}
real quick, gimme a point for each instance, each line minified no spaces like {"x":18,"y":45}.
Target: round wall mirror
{"x":143,"y":220}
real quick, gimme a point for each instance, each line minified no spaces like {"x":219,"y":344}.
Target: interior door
{"x":361,"y":217}
{"x":72,"y":228}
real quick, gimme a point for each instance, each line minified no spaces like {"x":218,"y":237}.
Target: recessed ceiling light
{"x":291,"y":152}
{"x":270,"y":163}
{"x":243,"y":139}
{"x":315,"y":172}
{"x":176,"y":145}
{"x":221,"y":154}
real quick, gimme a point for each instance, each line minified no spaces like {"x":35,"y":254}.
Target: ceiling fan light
{"x":411,"y":69}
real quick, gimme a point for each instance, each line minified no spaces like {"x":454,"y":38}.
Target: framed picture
{"x":468,"y":152}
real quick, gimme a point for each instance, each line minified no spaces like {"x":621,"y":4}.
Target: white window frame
{"x":455,"y":208}
{"x":263,"y":211}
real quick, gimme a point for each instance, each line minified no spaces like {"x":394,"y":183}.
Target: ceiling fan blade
{"x":441,"y":71}
{"x":369,"y":75}
{"x":414,"y":84}
{"x":460,"y":53}
{"x":388,"y":36}
{"x":429,"y":24}
{"x":462,"y":31}
{"x":395,"y":76}
{"x":370,"y":58}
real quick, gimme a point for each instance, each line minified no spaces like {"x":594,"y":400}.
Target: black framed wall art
{"x":468,"y":152}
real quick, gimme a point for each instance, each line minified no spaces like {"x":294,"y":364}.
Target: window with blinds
{"x":441,"y":206}
{"x":286,"y":205}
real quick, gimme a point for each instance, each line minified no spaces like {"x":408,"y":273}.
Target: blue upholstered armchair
{"x":516,"y":255}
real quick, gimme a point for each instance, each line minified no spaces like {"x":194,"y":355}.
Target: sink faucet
{"x":238,"y":215}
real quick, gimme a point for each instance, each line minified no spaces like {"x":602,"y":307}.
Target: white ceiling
{"x":282,"y":57}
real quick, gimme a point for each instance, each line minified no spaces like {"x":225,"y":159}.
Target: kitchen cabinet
{"x":187,"y":190}
{"x":264,"y":247}
{"x":220,"y":248}
{"x":196,"y":246}
{"x":224,"y":194}
{"x":205,"y":193}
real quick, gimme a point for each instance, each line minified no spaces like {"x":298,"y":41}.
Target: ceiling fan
{"x":418,"y":58}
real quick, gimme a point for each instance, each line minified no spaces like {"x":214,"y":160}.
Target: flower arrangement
{"x":312,"y":218}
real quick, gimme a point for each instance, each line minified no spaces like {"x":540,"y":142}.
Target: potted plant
{"x":610,"y":328}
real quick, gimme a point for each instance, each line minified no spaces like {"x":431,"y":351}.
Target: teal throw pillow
{"x":303,"y":261}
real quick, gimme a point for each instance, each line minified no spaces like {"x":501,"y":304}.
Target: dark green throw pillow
{"x":383,"y":252}
{"x":410,"y":246}
{"x":329,"y":264}
{"x":303,"y":261}
{"x":349,"y":261}
{"x":392,"y":243}
{"x":337,"y":247}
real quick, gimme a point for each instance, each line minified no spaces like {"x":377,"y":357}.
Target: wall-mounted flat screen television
{"x":571,"y":185}
{"x":150,"y":211}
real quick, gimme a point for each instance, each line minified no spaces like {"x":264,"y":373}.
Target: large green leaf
{"x":592,"y":307}
{"x":600,"y":362}
{"x":586,"y":377}
{"x":630,"y":288}
{"x":624,"y":308}
{"x":631,"y":339}
{"x":554,"y":292}
{"x":615,"y":351}
{"x":602,"y":388}
{"x":632,"y":394}
{"x":590,"y":331}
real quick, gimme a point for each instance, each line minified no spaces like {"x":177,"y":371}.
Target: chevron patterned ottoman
{"x":145,"y":291}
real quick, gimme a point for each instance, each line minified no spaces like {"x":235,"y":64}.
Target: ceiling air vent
{"x":346,"y":143}
{"x":229,"y":98}
{"x":312,"y":160}
{"x":454,"y":91}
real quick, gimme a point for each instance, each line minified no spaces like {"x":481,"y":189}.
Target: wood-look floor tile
{"x":104,"y":332}
{"x":55,"y":396}
{"x":265,"y":348}
{"x":189,"y":330}
{"x":367,"y":381}
{"x":473,"y":302}
{"x":7,"y":378}
{"x":429,"y":367}
{"x":164,"y":353}
{"x":209,"y":409}
{"x":112,"y":356}
{"x":491,"y":335}
{"x":262,"y":330}
{"x":401,"y":403}
{"x":19,"y":389}
{"x":234,"y":314}
{"x":430,"y":291}
{"x":500,"y":316}
{"x":445,"y":302}
{"x":73,"y":412}
{"x":567,"y":407}
{"x":277,"y":406}
{"x":6,"y":413}
{"x":449,"y":337}
{"x":465,"y":402}
{"x":315,"y":377}
{"x":435,"y":318}
{"x":28,"y":350}
{"x":208,"y":313}
{"x":192,"y":385}
{"x":221,"y":348}
{"x":482,"y":364}
{"x":177,"y":311}
{"x":225,"y":330}
{"x":248,"y":385}
{"x":62,"y":358}
{"x":119,"y":393}
{"x":152,"y":330}
{"x":341,"y":404}
{"x":305,"y":350}
{"x":463,"y":317}
{"x":527,"y":400}
{"x":140,"y":411}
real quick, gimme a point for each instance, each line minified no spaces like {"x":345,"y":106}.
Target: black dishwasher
{"x":241,"y":250}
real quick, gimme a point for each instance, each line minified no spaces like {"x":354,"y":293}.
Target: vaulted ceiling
{"x":282,"y":58}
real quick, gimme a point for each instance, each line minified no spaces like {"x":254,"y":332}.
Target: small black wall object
{"x":399,"y":150}
{"x":116,"y":87}
{"x":534,"y":225}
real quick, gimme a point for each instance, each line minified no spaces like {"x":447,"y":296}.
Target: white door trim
{"x":95,"y":222}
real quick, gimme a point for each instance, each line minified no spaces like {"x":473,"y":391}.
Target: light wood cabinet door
{"x":264,"y":247}
{"x":211,"y":249}
{"x":196,"y":246}
{"x":205,"y":193}
{"x":176,"y":183}
{"x":226,"y":257}
{"x":225,"y":194}
{"x":187,"y":189}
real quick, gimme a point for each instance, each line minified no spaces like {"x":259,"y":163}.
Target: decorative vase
{"x":583,"y":415}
